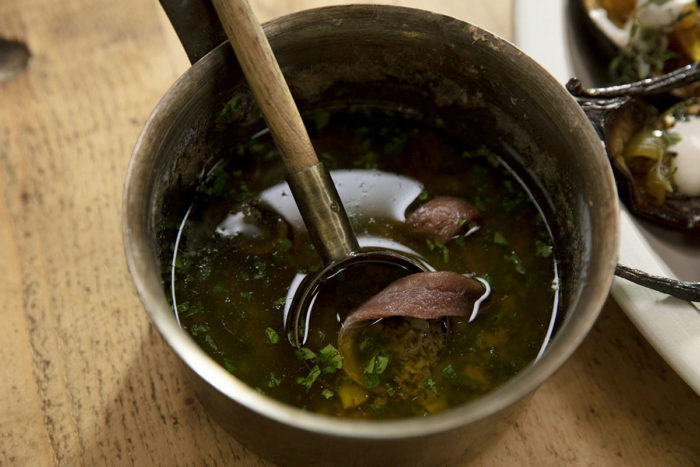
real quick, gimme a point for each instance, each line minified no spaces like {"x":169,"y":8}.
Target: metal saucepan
{"x":487,"y":89}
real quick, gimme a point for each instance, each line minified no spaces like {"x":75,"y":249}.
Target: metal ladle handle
{"x":645,"y":87}
{"x":313,"y":190}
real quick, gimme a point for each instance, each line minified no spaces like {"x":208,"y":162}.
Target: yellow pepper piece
{"x":476,"y":374}
{"x":689,"y":39}
{"x":619,"y":11}
{"x":646,"y":143}
{"x":433,"y":403}
{"x":351,"y":395}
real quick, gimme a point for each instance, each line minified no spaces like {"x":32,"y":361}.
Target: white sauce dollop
{"x":649,"y":14}
{"x":687,"y":161}
{"x":659,"y":16}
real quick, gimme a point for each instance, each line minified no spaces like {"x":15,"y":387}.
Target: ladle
{"x":311,"y":185}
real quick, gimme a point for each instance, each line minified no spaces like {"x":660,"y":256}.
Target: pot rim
{"x":150,"y":290}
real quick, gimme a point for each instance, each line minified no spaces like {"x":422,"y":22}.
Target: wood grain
{"x":87,"y":380}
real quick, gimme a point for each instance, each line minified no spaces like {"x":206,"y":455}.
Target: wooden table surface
{"x":86,"y":379}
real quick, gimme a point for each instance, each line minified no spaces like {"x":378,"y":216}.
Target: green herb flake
{"x":247,"y":295}
{"x":305,"y":353}
{"x":396,"y":144}
{"x":366,"y":343}
{"x":308,"y":380}
{"x":371,"y":380}
{"x":197,"y":329}
{"x":321,"y":119}
{"x":499,"y":238}
{"x":185,"y":310}
{"x":376,"y":366}
{"x":423,"y":195}
{"x":461,"y":222}
{"x":515,"y":259}
{"x":493,"y":160}
{"x":231,"y":111}
{"x":509,"y":203}
{"x":449,"y":373}
{"x":367,"y":161}
{"x":430,"y":385}
{"x":444,"y":250}
{"x":229,"y":365}
{"x":273,"y":381}
{"x":542,"y":249}
{"x":217,"y":184}
{"x":280,"y":301}
{"x":671,"y":138}
{"x":260,"y":269}
{"x":271,"y":336}
{"x":283,"y":245}
{"x":329,"y":359}
{"x":327,"y":393}
{"x":210,"y":340}
{"x":328,"y":160}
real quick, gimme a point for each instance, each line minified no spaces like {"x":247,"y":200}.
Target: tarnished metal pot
{"x":482,"y":88}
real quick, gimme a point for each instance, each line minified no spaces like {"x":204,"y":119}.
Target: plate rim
{"x":540,"y":30}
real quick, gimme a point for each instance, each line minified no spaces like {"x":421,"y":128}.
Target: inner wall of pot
{"x":484,"y":90}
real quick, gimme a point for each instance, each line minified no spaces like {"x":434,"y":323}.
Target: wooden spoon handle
{"x":267,"y":82}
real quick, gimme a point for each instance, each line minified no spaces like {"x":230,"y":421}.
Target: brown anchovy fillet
{"x":425,"y":295}
{"x":442,"y":218}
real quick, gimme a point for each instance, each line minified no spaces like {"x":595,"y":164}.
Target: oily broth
{"x":236,"y":258}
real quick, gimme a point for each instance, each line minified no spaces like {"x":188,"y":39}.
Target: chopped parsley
{"x":305,"y":353}
{"x":499,"y":238}
{"x":374,"y":369}
{"x":231,"y":111}
{"x":185,"y":310}
{"x":210,"y":340}
{"x":273,"y":381}
{"x":247,"y":295}
{"x":229,"y":365}
{"x":271,"y":336}
{"x":542,"y":249}
{"x":308,"y":380}
{"x":449,"y":373}
{"x":430,"y":385}
{"x":329,"y":359}
{"x":515,"y":259}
